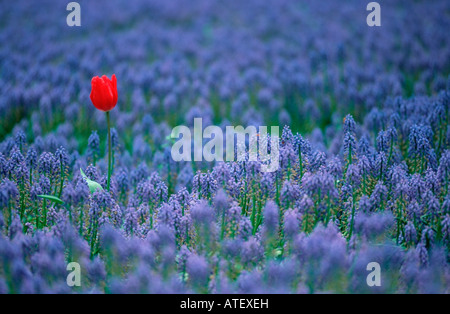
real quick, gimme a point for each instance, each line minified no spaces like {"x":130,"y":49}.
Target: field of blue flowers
{"x":364,"y":152}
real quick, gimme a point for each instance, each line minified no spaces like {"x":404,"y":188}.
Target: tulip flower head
{"x":104,"y":92}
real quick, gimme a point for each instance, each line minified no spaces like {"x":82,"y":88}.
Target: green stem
{"x":350,"y":154}
{"x":81,"y":223}
{"x":253,"y":215}
{"x":45,"y":212}
{"x":364,"y":182}
{"x":300,"y":162}
{"x":277,"y":195}
{"x":22,"y":200}
{"x":108,"y":121}
{"x":391,"y":151}
{"x":9,"y":215}
{"x":94,"y":239}
{"x":37,"y":214}
{"x":62,"y":178}
{"x":352,"y":218}
{"x":327,"y":219}
{"x":151,"y":216}
{"x":222,"y":232}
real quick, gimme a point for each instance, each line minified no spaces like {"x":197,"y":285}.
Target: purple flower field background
{"x":364,"y":153}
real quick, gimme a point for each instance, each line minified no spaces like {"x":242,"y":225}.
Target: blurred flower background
{"x":365,"y":159}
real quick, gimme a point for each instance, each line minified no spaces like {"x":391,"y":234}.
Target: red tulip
{"x":104,"y":98}
{"x":104,"y":92}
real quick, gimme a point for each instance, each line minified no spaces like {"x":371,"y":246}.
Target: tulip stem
{"x":108,"y":121}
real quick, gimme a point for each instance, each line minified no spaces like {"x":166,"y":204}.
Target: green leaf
{"x":278,"y":252}
{"x":93,"y":186}
{"x":51,"y":198}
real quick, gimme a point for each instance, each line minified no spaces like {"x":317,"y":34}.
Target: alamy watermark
{"x":74,"y":17}
{"x":261,"y":146}
{"x":374,"y":17}
{"x":74,"y":277}
{"x":374,"y":277}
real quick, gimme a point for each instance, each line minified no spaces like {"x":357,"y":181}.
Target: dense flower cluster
{"x":364,"y":153}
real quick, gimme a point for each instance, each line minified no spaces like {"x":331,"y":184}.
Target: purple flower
{"x":3,"y":165}
{"x":96,"y":270}
{"x":419,"y":143}
{"x":444,"y":167}
{"x":114,"y":139}
{"x":365,"y":205}
{"x":204,"y":184}
{"x":202,"y":213}
{"x":281,"y":275}
{"x":250,"y":282}
{"x":334,"y":167}
{"x":252,"y":252}
{"x":16,"y":156}
{"x":379,"y":194}
{"x":21,"y":172}
{"x":170,"y":214}
{"x":131,"y":221}
{"x":428,"y":236}
{"x":94,"y":146}
{"x":271,"y":217}
{"x":122,"y":180}
{"x":199,"y":270}
{"x":20,"y":139}
{"x":31,"y":158}
{"x":373,"y":225}
{"x":349,"y":124}
{"x":383,"y":141}
{"x":8,"y":191}
{"x":245,"y":228}
{"x":62,"y":157}
{"x":288,"y":156}
{"x":364,"y":148}
{"x":410,"y":233}
{"x":48,"y":165}
{"x":140,"y":173}
{"x":291,"y":223}
{"x":422,"y":253}
{"x":183,"y":255}
{"x":354,"y":174}
{"x":446,"y":229}
{"x":290,"y":193}
{"x":100,"y":201}
{"x":184,"y":179}
{"x":221,"y":203}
